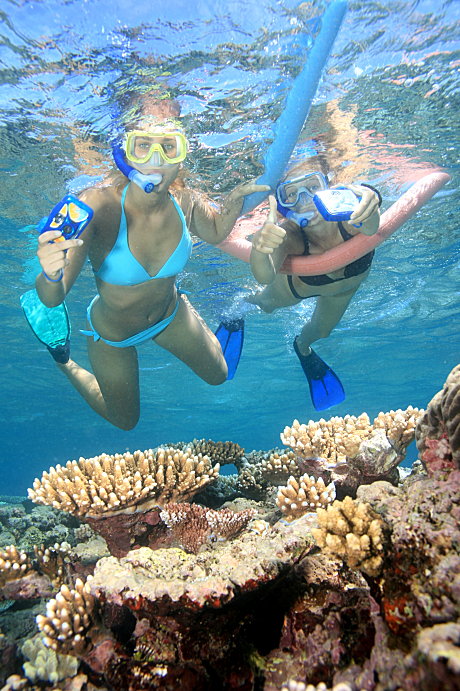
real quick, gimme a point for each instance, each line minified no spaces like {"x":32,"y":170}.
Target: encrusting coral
{"x":306,"y":494}
{"x":437,"y":434}
{"x":352,"y":531}
{"x":128,"y":482}
{"x":191,"y":525}
{"x":350,"y":450}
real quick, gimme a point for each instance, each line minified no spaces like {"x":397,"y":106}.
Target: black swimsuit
{"x":359,"y":266}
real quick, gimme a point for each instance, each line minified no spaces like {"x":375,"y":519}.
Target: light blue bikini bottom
{"x":135,"y":340}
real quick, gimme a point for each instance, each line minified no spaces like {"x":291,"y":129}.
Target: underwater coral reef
{"x":321,"y":566}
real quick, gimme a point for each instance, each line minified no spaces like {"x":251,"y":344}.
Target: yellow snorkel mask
{"x":158,"y":144}
{"x":156,"y":147}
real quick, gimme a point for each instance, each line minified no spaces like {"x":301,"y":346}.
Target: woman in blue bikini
{"x":137,"y":242}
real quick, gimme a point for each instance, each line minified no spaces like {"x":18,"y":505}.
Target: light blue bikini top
{"x":120,"y":267}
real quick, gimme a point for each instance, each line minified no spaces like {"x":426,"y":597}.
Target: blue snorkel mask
{"x":295,"y":196}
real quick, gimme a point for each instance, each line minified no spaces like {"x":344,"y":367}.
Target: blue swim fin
{"x":326,"y":389}
{"x":50,"y":325}
{"x":230,"y":334}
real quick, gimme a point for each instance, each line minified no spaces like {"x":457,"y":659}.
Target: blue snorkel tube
{"x":301,"y":219}
{"x":298,"y":102}
{"x":145,"y":182}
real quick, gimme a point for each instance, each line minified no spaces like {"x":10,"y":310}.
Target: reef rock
{"x":437,"y":434}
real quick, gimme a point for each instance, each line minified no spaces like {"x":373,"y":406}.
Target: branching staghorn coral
{"x":68,"y":618}
{"x":263,"y":470}
{"x":127,"y":483}
{"x":306,"y":494}
{"x":350,"y":450}
{"x":293,"y":685}
{"x":339,"y":439}
{"x":54,"y":561}
{"x":44,"y":664}
{"x":192,"y":525}
{"x":13,"y":564}
{"x":222,"y":452}
{"x":438,"y":431}
{"x":354,"y":532}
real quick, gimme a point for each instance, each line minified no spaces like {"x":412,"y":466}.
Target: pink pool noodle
{"x":393,"y":218}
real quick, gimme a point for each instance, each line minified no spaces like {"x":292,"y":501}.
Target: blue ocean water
{"x":390,"y":94}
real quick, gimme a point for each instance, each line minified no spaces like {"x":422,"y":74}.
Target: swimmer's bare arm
{"x":213,"y":225}
{"x":272,"y":244}
{"x":367,"y":212}
{"x":64,"y":258}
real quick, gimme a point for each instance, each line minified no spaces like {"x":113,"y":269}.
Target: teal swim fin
{"x":230,"y":334}
{"x":326,"y":389}
{"x":50,"y":325}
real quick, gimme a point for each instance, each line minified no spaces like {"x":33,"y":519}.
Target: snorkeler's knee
{"x":218,"y":376}
{"x":125,"y":422}
{"x":218,"y":379}
{"x":125,"y":425}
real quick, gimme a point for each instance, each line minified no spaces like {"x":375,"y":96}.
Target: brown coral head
{"x":126,"y":483}
{"x":55,"y":561}
{"x":191,"y":525}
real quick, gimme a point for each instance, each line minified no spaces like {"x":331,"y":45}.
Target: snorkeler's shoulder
{"x":101,"y":199}
{"x":192,"y":201}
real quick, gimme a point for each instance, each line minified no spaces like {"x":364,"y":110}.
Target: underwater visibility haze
{"x":271,"y":546}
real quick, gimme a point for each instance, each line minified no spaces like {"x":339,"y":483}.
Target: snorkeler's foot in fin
{"x":50,"y":325}
{"x":230,"y":334}
{"x":60,"y":353}
{"x":326,"y":389}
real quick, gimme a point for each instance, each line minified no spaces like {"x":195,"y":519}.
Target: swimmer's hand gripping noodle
{"x":145,"y":182}
{"x":298,"y":102}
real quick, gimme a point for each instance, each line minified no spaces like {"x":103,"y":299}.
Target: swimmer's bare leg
{"x":190,"y":339}
{"x":113,"y":391}
{"x":327,"y":313}
{"x":276,"y":295}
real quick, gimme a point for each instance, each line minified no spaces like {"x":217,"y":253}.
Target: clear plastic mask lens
{"x":155,"y":148}
{"x":301,"y":189}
